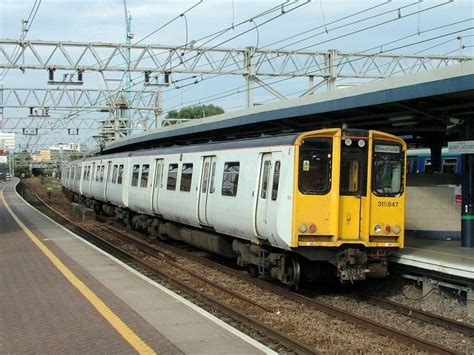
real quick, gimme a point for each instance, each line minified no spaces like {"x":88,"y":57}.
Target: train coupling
{"x":352,"y":265}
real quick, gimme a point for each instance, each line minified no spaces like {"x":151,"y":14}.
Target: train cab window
{"x":230,"y":179}
{"x":114,"y":174}
{"x":265,"y":177}
{"x":387,"y":179}
{"x":314,"y":172}
{"x":135,"y":173}
{"x":172,"y":177}
{"x":276,"y":180}
{"x":120,"y":174}
{"x":144,"y":177}
{"x":97,"y":173}
{"x":186,"y":177}
{"x":449,"y":165}
{"x":212,"y":189}
{"x":102,"y":170}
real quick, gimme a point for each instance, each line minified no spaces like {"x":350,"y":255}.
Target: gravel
{"x":323,"y":332}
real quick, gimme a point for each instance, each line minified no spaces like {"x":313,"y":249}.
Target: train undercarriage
{"x":348,"y":264}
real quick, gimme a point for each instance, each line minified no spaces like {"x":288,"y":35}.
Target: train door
{"x":353,"y":187}
{"x":208,"y":172}
{"x":267,"y":206}
{"x":92,"y":179}
{"x":157,"y":184}
{"x":108,"y":179}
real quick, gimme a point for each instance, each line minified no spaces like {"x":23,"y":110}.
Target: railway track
{"x":166,"y":252}
{"x":422,"y":344}
{"x":291,"y":344}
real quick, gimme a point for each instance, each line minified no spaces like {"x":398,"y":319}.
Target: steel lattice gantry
{"x":249,"y":62}
{"x":111,"y":62}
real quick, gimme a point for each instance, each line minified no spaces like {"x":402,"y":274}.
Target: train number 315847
{"x":387,"y":204}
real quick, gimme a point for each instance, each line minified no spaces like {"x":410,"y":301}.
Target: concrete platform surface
{"x":43,"y":311}
{"x":447,"y":257}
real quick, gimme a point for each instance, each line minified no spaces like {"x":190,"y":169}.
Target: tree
{"x":22,"y":163}
{"x":196,"y":112}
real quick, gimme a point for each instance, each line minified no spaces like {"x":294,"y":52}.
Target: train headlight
{"x":396,"y":229}
{"x":378,"y":229}
{"x":312,"y":228}
{"x":303,"y":228}
{"x":388,"y":229}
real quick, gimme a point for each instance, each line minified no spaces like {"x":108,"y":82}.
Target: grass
{"x":47,"y":182}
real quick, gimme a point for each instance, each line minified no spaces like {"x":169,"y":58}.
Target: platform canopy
{"x":431,"y":106}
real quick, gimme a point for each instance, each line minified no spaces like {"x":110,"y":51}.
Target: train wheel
{"x":253,"y":270}
{"x":293,"y":273}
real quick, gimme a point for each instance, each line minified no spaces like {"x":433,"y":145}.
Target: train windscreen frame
{"x":315,"y":165}
{"x":387,"y":169}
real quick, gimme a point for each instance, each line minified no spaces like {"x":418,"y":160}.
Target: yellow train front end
{"x":349,"y":205}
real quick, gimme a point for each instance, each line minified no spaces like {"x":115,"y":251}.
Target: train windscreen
{"x":314,"y":172}
{"x":387,"y":179}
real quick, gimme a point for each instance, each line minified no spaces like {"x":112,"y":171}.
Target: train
{"x":292,"y":207}
{"x":419,"y":161}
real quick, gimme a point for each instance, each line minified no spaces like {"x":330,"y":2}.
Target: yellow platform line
{"x":128,"y":334}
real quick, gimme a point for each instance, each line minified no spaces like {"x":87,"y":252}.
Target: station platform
{"x":445,"y":257}
{"x":60,"y":294}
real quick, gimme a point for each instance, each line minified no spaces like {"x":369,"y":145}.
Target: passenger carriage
{"x":274,"y":203}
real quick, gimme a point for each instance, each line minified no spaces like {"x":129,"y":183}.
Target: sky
{"x":103,"y":21}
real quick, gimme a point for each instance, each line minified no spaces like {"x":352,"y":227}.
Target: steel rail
{"x":145,"y":247}
{"x":271,"y":332}
{"x":419,"y":314}
{"x":363,"y":322}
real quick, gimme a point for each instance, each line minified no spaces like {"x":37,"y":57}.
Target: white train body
{"x":272,"y":203}
{"x":246,"y":215}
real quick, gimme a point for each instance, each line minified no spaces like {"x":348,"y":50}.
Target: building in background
{"x":49,"y":161}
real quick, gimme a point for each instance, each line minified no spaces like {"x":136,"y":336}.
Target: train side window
{"x":114,"y":174}
{"x":212,"y":189}
{"x":97,"y":173}
{"x":120,"y":174}
{"x":102,"y":169}
{"x":276,"y":180}
{"x":186,"y":177}
{"x":449,"y":165}
{"x":427,"y":167}
{"x":266,"y":172}
{"x":135,"y":173}
{"x":84,"y":177}
{"x":144,"y":177}
{"x":172,"y":177}
{"x":205,"y":177}
{"x":412,"y":166}
{"x":88,"y":172}
{"x":230,"y":179}
{"x":314,"y":172}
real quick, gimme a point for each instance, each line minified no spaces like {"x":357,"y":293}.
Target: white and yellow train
{"x":290,"y":207}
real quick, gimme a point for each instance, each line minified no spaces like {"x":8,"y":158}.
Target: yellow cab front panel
{"x":385,"y":224}
{"x":335,"y":200}
{"x":316,"y":188}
